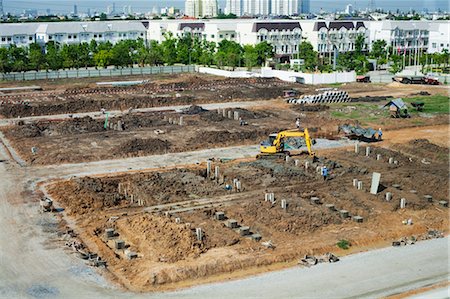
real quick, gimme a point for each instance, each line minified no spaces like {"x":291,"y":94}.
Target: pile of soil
{"x":212,"y":116}
{"x":310,"y":108}
{"x":88,"y":195}
{"x":247,"y":114}
{"x":424,"y":149}
{"x":299,"y":218}
{"x":150,"y":145}
{"x":194,"y":109}
{"x":141,"y":120}
{"x":155,"y":234}
{"x":49,"y":128}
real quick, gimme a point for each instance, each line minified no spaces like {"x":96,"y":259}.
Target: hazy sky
{"x":64,"y":6}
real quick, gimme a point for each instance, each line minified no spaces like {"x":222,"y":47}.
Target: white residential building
{"x":325,"y":36}
{"x":402,"y":35}
{"x":70,"y":32}
{"x":439,"y":37}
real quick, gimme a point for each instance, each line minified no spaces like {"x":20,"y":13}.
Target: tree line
{"x":185,"y":50}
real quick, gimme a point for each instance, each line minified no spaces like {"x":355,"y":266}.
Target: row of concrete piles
{"x":174,"y":120}
{"x":236,"y":184}
{"x":125,"y":190}
{"x":376,"y":177}
{"x":231,"y":114}
{"x":270,"y":197}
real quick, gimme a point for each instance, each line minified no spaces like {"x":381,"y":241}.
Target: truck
{"x":416,"y":80}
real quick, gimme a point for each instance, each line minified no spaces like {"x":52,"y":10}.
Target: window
{"x":212,"y":35}
{"x":142,"y":34}
{"x":232,"y":35}
{"x":3,"y":39}
{"x":221,"y":35}
{"x":95,"y":35}
{"x":50,"y":37}
{"x":442,"y":45}
{"x":74,"y":36}
{"x":30,"y":38}
{"x":100,"y":35}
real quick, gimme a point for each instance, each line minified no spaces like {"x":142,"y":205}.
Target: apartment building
{"x":325,"y":36}
{"x":70,"y":32}
{"x":201,"y":8}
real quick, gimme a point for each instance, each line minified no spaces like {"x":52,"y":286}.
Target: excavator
{"x":274,"y":146}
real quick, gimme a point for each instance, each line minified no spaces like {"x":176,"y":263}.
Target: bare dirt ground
{"x":167,"y":247}
{"x":96,"y":136}
{"x":156,"y":212}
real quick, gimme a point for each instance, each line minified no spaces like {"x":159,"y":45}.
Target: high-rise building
{"x":201,"y":8}
{"x":262,"y":7}
{"x":284,"y":7}
{"x":305,"y":6}
{"x":75,"y":9}
{"x":1,"y":8}
{"x":349,"y":9}
{"x":234,"y":7}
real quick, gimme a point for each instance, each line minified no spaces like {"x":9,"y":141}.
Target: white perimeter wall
{"x":289,"y":76}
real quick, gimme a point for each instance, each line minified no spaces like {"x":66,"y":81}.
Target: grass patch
{"x":433,"y":104}
{"x":343,"y":244}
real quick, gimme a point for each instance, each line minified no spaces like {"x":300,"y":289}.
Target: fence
{"x":85,"y":73}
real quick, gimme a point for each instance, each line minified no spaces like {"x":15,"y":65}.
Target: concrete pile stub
{"x":344,"y":213}
{"x":388,"y":196}
{"x":231,"y":223}
{"x":376,"y":177}
{"x":357,"y":218}
{"x":244,"y":230}
{"x":220,"y":216}
{"x":368,"y":151}
{"x":109,"y":233}
{"x":402,"y":203}
{"x":360,"y":185}
{"x":315,"y":200}
{"x":428,"y":198}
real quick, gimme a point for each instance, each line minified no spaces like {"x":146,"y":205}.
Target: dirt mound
{"x":194,"y":109}
{"x":299,"y":219}
{"x":212,"y":116}
{"x":247,"y":114}
{"x":310,"y":108}
{"x":151,"y":233}
{"x":151,"y":145}
{"x":141,"y":120}
{"x":87,"y":195}
{"x":424,"y":149}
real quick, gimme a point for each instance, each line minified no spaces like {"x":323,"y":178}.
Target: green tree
{"x":53,"y":56}
{"x":169,"y":49}
{"x":36,"y":57}
{"x":379,"y":51}
{"x":265,"y":51}
{"x":184,"y":49}
{"x":307,"y":53}
{"x":5,"y":62}
{"x":360,"y":44}
{"x":19,"y":58}
{"x":121,"y":54}
{"x":229,"y":53}
{"x":250,"y":56}
{"x":207,"y":55}
{"x":103,"y":58}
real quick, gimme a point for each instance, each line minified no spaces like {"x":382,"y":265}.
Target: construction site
{"x":188,"y":179}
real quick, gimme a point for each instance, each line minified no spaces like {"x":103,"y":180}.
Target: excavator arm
{"x":277,"y":146}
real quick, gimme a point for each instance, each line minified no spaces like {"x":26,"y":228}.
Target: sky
{"x":66,"y":6}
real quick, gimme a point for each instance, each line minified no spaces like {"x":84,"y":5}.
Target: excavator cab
{"x":267,"y":146}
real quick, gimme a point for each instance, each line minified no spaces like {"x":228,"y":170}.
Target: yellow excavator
{"x":274,"y":146}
